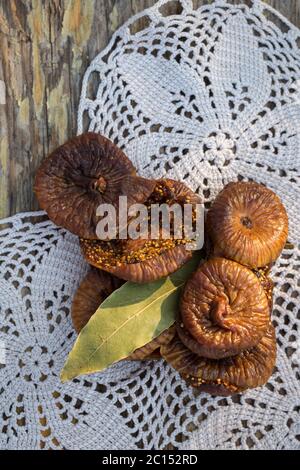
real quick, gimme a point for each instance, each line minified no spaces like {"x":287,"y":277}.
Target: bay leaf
{"x":129,"y":318}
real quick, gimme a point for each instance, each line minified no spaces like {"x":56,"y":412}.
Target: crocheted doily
{"x":206,"y":96}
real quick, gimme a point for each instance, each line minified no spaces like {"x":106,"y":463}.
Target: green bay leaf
{"x":129,"y":318}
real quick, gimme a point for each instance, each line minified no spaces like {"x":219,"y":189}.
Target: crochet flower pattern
{"x":205,"y":96}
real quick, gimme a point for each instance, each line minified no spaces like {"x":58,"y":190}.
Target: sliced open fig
{"x":83,"y":173}
{"x":247,"y":223}
{"x":145,"y":260}
{"x":223,"y":308}
{"x":249,"y":369}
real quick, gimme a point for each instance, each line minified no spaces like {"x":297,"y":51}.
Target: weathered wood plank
{"x":45,"y":47}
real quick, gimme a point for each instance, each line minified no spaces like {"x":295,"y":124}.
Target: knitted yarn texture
{"x":205,"y":96}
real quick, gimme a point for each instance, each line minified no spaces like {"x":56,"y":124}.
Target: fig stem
{"x":219,"y":310}
{"x":100,"y":184}
{"x":247,"y":222}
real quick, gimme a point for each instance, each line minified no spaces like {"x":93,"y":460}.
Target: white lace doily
{"x":206,"y":96}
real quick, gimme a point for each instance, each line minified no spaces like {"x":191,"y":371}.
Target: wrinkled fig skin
{"x":85,"y":172}
{"x":267,"y":284}
{"x":163,"y":258}
{"x":224,"y":309}
{"x":191,"y":343}
{"x":155,"y":356}
{"x":197,"y":348}
{"x":159,"y":266}
{"x":247,"y":223}
{"x":145,"y":271}
{"x":152,"y":349}
{"x":249,"y":369}
{"x":93,"y":290}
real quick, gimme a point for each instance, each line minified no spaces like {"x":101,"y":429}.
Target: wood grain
{"x":45,"y":47}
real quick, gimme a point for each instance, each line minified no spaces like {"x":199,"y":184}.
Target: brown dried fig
{"x":197,"y":348}
{"x":152,"y":349}
{"x":248,"y":223}
{"x":144,"y":260}
{"x":92,"y":291}
{"x":249,"y":369}
{"x":155,"y":355}
{"x":224,"y":309}
{"x":85,"y":172}
{"x":268,"y":285}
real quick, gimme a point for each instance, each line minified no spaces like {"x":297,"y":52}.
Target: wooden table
{"x":45,"y":47}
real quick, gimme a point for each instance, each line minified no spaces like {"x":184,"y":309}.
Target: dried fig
{"x":155,"y":355}
{"x":248,"y":223}
{"x":249,"y":369}
{"x":144,"y":260}
{"x":85,"y":172}
{"x":193,"y":345}
{"x":268,"y":285}
{"x":152,"y":349}
{"x":224,"y":308}
{"x":92,"y":291}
